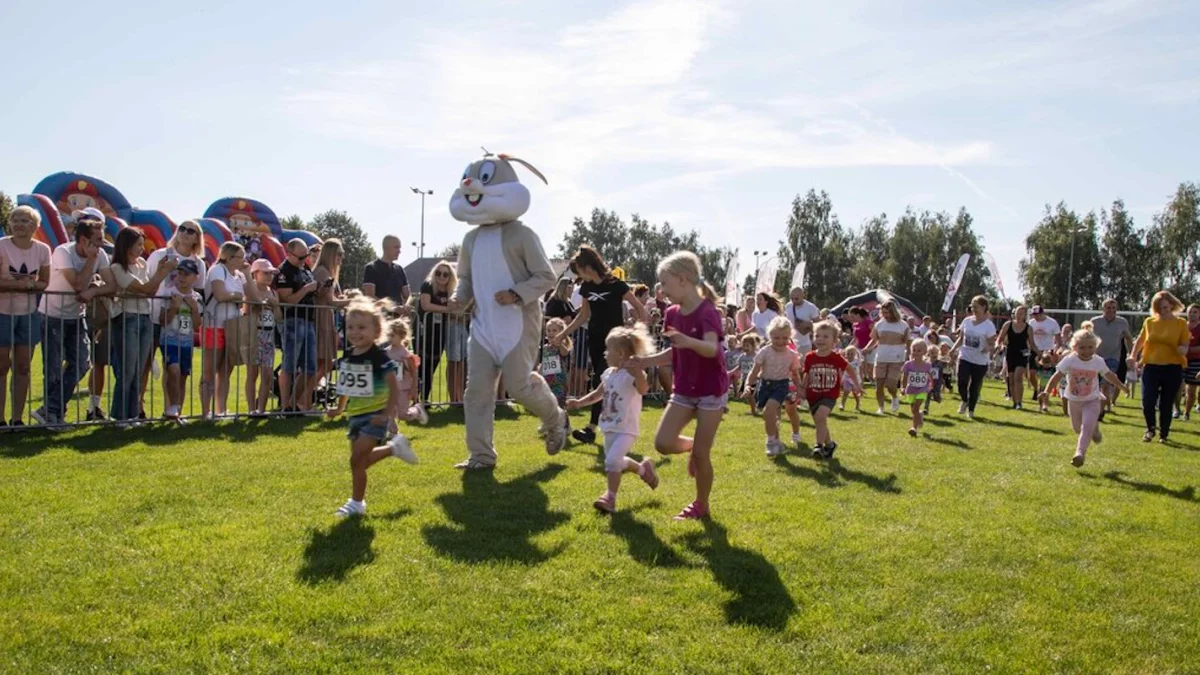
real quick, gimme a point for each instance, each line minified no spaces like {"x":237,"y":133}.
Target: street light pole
{"x":423,"y":193}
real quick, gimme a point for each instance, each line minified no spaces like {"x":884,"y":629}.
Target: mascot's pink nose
{"x":466,"y":182}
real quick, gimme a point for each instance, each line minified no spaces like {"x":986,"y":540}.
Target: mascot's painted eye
{"x":486,"y":172}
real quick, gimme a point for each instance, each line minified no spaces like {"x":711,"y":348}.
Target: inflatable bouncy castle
{"x":57,"y":196}
{"x":254,"y":225}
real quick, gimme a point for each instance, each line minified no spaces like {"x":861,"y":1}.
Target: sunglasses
{"x":442,"y":275}
{"x":189,"y":230}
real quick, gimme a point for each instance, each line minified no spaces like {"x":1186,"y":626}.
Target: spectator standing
{"x":297,"y":290}
{"x":224,"y":293}
{"x":186,"y":244}
{"x":385,"y":278}
{"x":432,"y":311}
{"x":24,"y":272}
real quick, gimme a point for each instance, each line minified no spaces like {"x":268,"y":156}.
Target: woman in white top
{"x":768,"y":308}
{"x":889,"y":339}
{"x":186,"y":244}
{"x":24,"y":270}
{"x":130,"y":319}
{"x":976,"y":340}
{"x":224,"y":292}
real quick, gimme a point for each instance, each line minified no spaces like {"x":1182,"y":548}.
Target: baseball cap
{"x":1037,"y":309}
{"x":90,"y":212}
{"x":262,"y":265}
{"x":189,"y":266}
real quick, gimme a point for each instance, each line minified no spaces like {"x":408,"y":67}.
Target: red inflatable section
{"x":273,"y":250}
{"x":51,"y":220}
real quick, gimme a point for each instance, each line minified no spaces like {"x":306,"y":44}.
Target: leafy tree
{"x":748,"y":286}
{"x":870,"y":254}
{"x":294,"y":222}
{"x":1179,"y":224}
{"x":815,"y":235}
{"x":1050,"y":270}
{"x":358,"y":249}
{"x":450,"y":252}
{"x":604,"y":231}
{"x":6,"y":208}
{"x":1131,"y":270}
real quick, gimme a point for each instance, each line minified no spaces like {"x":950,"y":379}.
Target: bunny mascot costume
{"x":503,"y":268}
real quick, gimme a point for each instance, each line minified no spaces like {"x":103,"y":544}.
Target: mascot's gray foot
{"x":474,"y":465}
{"x":556,"y":435}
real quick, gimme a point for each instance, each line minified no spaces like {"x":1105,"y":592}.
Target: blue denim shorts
{"x":20,"y":329}
{"x":299,"y":346}
{"x":361,"y":425}
{"x":771,"y":390}
{"x":178,"y":355}
{"x":456,"y":339}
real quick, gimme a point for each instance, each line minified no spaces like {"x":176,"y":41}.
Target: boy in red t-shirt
{"x":823,"y":371}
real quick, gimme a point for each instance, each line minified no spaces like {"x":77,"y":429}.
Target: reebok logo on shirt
{"x":598,"y":297}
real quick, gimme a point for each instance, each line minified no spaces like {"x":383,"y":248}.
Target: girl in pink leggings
{"x":1082,"y":370}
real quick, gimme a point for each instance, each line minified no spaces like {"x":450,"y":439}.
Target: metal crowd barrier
{"x":99,"y":369}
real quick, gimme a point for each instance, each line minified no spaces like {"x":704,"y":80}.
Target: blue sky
{"x":711,"y":115}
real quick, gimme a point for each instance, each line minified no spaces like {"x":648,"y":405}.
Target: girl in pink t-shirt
{"x":701,"y":383}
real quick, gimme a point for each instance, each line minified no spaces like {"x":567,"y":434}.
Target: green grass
{"x":213,"y":548}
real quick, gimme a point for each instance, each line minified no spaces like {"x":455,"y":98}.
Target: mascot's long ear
{"x":525,"y":164}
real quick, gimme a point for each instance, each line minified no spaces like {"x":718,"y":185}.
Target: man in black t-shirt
{"x":297,"y":291}
{"x":386,"y":279}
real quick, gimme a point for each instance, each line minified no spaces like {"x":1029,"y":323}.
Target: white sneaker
{"x":351,"y":508}
{"x":40,"y":416}
{"x":402,"y":449}
{"x":422,"y":415}
{"x":895,"y":405}
{"x":879,"y":411}
{"x":962,"y":408}
{"x":774,"y":448}
{"x":970,"y":414}
{"x":795,"y":439}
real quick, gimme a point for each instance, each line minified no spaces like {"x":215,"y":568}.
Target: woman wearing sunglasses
{"x":432,"y":310}
{"x":186,"y":244}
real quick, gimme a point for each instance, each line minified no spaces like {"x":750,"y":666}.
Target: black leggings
{"x":599,"y":365}
{"x":1160,"y":384}
{"x":970,"y":382}
{"x":433,"y":340}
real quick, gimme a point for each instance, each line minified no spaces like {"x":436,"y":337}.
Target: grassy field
{"x":213,"y":548}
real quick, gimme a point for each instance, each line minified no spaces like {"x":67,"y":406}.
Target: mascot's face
{"x":489,"y":193}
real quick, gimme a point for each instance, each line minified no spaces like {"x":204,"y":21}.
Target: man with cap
{"x":66,"y":352}
{"x":1114,"y":335}
{"x":1045,"y":338}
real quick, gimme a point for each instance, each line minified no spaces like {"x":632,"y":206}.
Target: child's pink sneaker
{"x":606,"y":503}
{"x":693,"y":511}
{"x":648,"y":473}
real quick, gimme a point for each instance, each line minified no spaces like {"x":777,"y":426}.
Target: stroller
{"x":324,"y":395}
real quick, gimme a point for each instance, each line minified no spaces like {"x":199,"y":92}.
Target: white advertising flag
{"x":733,"y":288}
{"x":959,"y":270}
{"x":798,"y":275}
{"x":765,"y":282}
{"x":995,"y":270}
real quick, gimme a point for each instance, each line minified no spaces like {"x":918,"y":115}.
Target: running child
{"x":369,"y":388}
{"x":399,"y":350}
{"x":554,"y":365}
{"x":742,"y":366}
{"x":179,"y":313}
{"x":917,"y":378}
{"x":778,"y":367}
{"x":823,"y":372}
{"x":621,"y":390}
{"x":701,"y":382}
{"x":855,"y":359}
{"x":939,"y":363}
{"x":1082,"y":371}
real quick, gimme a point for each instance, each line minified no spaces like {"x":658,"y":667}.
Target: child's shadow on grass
{"x":946,"y":441}
{"x":1014,"y":425}
{"x":831,"y":473}
{"x":332,"y":555}
{"x":760,"y":598}
{"x":645,"y":547}
{"x":1187,"y":494}
{"x":495,"y":522}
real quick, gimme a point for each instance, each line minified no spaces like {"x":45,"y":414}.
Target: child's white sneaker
{"x":895,"y":405}
{"x":352,"y":508}
{"x":962,"y":408}
{"x":422,"y":415}
{"x":402,"y":449}
{"x":796,"y":439}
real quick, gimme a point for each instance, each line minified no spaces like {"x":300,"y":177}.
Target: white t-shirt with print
{"x":21,"y":264}
{"x":805,"y":311}
{"x":762,"y":320}
{"x":975,"y":341}
{"x":217,"y":313}
{"x":1044,"y":332}
{"x":1082,"y":378}
{"x":168,"y":283}
{"x":62,"y":304}
{"x":180,"y":329}
{"x":622,"y":407}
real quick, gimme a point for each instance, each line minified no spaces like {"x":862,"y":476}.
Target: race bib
{"x":185,"y":322}
{"x":918,"y":380}
{"x":266,"y":319}
{"x":552,"y":365}
{"x":355,"y":381}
